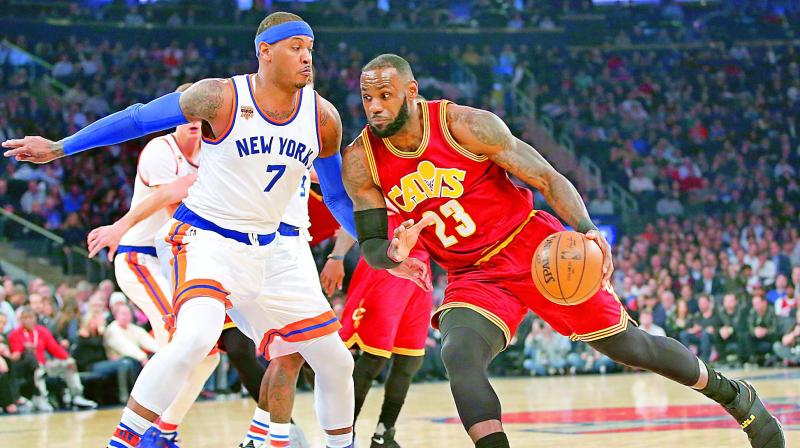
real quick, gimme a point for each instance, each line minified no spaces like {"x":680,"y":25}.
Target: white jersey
{"x":160,"y":162}
{"x":250,"y":173}
{"x":296,"y":213}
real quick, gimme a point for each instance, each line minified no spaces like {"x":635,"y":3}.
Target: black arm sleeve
{"x":372,"y":226}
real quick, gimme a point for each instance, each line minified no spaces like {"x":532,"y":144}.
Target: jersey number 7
{"x":278,"y":170}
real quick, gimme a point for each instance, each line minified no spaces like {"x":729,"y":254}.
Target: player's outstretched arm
{"x":372,"y":222}
{"x":484,"y":133}
{"x":204,"y":100}
{"x":164,"y":196}
{"x":328,"y":166}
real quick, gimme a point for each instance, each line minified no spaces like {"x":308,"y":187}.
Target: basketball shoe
{"x":385,"y":440}
{"x":153,"y":438}
{"x":761,"y":427}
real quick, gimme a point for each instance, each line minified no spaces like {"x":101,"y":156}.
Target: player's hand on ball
{"x":405,"y":237}
{"x":416,"y":271}
{"x":105,"y":236}
{"x":332,"y":276}
{"x":608,"y":263}
{"x":33,"y":149}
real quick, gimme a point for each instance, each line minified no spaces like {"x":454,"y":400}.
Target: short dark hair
{"x":276,"y":18}
{"x":387,"y":60}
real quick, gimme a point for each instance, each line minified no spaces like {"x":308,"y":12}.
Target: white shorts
{"x":291,"y":308}
{"x":141,"y":279}
{"x":272,"y":292}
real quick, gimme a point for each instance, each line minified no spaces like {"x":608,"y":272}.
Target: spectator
{"x":585,"y":359}
{"x":710,"y":284}
{"x":8,"y":387}
{"x":786,"y":306}
{"x":38,"y":339}
{"x":680,"y":321}
{"x":546,"y":351}
{"x":8,"y":311}
{"x":646,"y":323}
{"x":701,"y":329}
{"x":788,"y":348}
{"x":123,"y":339}
{"x":670,"y":205}
{"x":778,"y":290}
{"x":763,"y":330}
{"x":732,"y":319}
{"x":601,"y":205}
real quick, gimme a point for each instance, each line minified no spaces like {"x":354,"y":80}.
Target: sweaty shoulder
{"x":157,"y":164}
{"x":478,"y":131}
{"x":210,"y":100}
{"x":329,"y":126}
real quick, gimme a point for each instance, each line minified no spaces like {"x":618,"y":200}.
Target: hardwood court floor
{"x":630,"y":410}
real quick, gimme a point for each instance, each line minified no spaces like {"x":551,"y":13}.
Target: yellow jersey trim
{"x":449,"y":137}
{"x":606,"y":332}
{"x":426,"y":137}
{"x":373,"y":168}
{"x":355,"y":339}
{"x":496,"y":248}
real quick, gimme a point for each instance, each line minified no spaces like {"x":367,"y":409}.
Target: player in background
{"x":386,"y":318}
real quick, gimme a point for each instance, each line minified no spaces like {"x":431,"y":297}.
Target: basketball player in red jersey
{"x":445,"y":168}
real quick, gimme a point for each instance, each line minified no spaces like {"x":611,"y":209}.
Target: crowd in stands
{"x":705,"y":138}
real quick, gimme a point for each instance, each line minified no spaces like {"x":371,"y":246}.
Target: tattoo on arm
{"x":203,"y":100}
{"x":524,"y":162}
{"x":358,"y":180}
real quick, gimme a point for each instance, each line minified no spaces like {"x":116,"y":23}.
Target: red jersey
{"x":474,"y":204}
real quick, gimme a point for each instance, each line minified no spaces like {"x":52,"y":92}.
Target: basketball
{"x":567,"y":268}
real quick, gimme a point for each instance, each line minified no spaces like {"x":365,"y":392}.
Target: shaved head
{"x":389,"y":60}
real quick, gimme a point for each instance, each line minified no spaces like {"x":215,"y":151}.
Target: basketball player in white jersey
{"x":258,"y":148}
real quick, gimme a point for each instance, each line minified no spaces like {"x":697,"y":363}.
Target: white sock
{"x":259,"y":428}
{"x":339,"y":440}
{"x":129,"y":431}
{"x":279,"y":434}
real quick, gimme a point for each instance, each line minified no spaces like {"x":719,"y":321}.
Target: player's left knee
{"x":407,"y":365}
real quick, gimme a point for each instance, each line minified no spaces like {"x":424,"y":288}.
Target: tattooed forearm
{"x":527,"y":164}
{"x":204,"y":99}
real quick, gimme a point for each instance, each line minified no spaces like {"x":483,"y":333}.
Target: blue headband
{"x":283,"y":31}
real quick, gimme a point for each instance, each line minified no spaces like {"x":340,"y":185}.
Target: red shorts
{"x":501,"y":288}
{"x":384,"y":314}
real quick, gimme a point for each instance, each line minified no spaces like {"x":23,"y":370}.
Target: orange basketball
{"x":567,"y":268}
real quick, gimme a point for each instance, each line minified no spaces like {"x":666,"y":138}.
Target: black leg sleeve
{"x":242,"y":354}
{"x":469,"y":343}
{"x":367,"y":368}
{"x":664,"y":356}
{"x":396,"y":387}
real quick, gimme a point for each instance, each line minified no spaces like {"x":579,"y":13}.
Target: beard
{"x":393,"y":126}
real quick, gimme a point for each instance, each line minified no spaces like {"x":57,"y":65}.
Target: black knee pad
{"x":406,"y":365}
{"x":370,"y":364}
